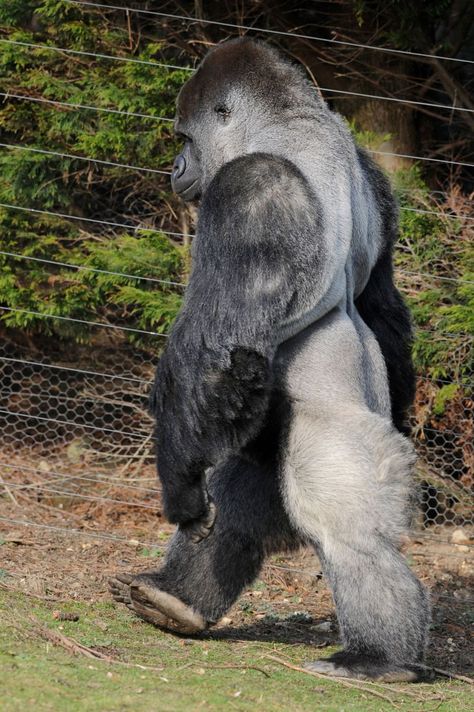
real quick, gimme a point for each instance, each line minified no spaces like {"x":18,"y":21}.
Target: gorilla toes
{"x":163,"y":610}
{"x":119,"y":587}
{"x":362,"y":668}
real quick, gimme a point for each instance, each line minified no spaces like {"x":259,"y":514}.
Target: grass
{"x":188,"y":675}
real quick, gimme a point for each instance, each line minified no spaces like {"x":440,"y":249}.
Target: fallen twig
{"x":76,"y":648}
{"x":446,"y":673}
{"x":6,"y":587}
{"x":226,"y":666}
{"x":363,"y":687}
{"x":8,"y":491}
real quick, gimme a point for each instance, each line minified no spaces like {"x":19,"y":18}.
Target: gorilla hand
{"x":190,"y":506}
{"x":199,"y":529}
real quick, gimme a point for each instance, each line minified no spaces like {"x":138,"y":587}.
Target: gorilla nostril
{"x":179,"y":166}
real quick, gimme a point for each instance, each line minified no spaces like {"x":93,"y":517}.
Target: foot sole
{"x":375,"y":673}
{"x":155,"y":606}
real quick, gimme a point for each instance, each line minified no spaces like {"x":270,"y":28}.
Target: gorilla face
{"x":240,"y":92}
{"x":206,"y":123}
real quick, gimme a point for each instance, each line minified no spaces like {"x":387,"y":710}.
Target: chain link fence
{"x":83,"y":433}
{"x":74,"y":426}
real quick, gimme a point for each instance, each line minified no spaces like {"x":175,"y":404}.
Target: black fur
{"x":382,"y":307}
{"x":213,"y":381}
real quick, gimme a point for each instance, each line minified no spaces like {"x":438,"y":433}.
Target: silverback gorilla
{"x":280,"y":397}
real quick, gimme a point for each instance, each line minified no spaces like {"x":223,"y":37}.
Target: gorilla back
{"x":273,"y":402}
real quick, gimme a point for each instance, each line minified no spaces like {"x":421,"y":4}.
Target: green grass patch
{"x":188,"y":675}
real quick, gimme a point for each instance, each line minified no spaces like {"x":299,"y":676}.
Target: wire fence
{"x":76,"y":431}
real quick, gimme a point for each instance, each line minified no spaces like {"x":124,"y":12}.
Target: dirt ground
{"x":290,"y":603}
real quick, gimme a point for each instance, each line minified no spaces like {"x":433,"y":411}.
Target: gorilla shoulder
{"x":261,"y":187}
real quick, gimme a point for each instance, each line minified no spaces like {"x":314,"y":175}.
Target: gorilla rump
{"x":283,"y":388}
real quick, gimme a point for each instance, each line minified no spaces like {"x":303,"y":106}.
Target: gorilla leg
{"x":347,"y":488}
{"x":200,"y":581}
{"x":381,"y":608}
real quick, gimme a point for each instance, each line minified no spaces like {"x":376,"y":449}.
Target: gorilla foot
{"x":361,"y":668}
{"x":155,"y":606}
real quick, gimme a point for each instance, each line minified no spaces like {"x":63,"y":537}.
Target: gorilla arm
{"x":255,"y":239}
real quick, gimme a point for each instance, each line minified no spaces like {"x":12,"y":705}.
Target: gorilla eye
{"x":222,"y":110}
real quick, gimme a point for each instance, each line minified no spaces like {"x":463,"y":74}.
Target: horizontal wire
{"x":99,"y":478}
{"x":91,"y":220}
{"x":180,"y":234}
{"x":141,"y":168}
{"x":427,"y":446}
{"x":83,"y":321}
{"x":54,"y":102}
{"x":319,"y":574}
{"x":125,"y":433}
{"x":81,"y":52}
{"x":356,"y":45}
{"x":420,"y":158}
{"x":124,"y":165}
{"x":91,"y":269}
{"x":60,"y":398}
{"x":76,"y":495}
{"x":157,"y":118}
{"x":459,"y":280}
{"x":112,"y":376}
{"x":66,"y":530}
{"x":440,"y":333}
{"x":398,"y":100}
{"x":74,"y":370}
{"x":422,"y":211}
{"x":114,"y":537}
{"x":435,"y":379}
{"x":165,"y":336}
{"x":89,"y":159}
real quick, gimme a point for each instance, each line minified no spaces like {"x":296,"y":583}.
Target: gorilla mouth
{"x":189,"y":192}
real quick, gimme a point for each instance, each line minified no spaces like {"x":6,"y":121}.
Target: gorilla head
{"x":240,"y":98}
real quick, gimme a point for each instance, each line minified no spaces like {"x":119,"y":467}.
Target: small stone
{"x":462,"y":594}
{"x":65,"y":616}
{"x":226,"y":620}
{"x":463,"y":548}
{"x":323,"y":627}
{"x":459,"y":537}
